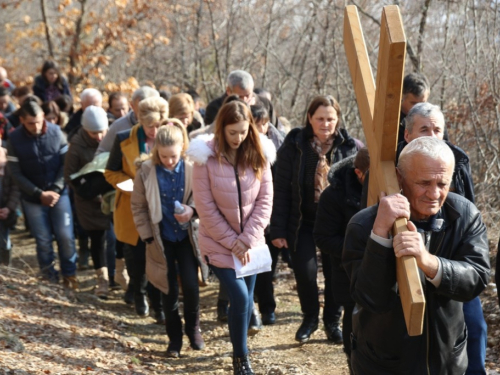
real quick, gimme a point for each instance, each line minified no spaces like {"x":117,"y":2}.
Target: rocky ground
{"x":45,"y":329}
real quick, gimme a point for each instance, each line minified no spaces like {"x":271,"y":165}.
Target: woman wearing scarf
{"x":301,"y":176}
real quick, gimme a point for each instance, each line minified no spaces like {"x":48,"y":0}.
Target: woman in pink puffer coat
{"x":233,"y":192}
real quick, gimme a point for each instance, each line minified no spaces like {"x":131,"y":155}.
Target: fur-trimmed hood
{"x":339,"y":165}
{"x":203,"y":147}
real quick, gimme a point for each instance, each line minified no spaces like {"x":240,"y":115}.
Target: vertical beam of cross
{"x":379,"y":109}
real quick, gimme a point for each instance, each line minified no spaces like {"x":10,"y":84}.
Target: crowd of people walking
{"x":160,"y":193}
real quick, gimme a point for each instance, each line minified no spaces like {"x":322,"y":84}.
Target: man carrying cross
{"x":448,"y":239}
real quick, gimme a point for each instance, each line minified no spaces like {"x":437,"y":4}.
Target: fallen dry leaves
{"x":45,"y":329}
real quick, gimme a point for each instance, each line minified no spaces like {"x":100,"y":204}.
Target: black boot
{"x":193,"y":331}
{"x":255,"y":323}
{"x":155,"y":299}
{"x":129,"y":293}
{"x":141,"y":305}
{"x":5,"y":257}
{"x":306,"y":329}
{"x":241,"y":366}
{"x":174,"y":332}
{"x":333,"y":333}
{"x":222,"y":311}
{"x":83,"y":253}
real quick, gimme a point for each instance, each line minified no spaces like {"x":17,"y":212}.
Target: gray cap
{"x":94,"y":119}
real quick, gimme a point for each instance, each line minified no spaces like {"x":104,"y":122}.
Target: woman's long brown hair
{"x":250,"y":153}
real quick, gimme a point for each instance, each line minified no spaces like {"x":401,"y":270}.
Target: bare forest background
{"x":293,"y":48}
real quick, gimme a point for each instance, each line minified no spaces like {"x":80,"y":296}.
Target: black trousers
{"x":264,"y":289}
{"x":135,"y":259}
{"x":181,"y":262}
{"x":305,"y":267}
{"x":98,"y":248}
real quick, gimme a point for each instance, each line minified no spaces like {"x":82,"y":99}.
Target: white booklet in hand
{"x":260,"y":261}
{"x":127,"y":185}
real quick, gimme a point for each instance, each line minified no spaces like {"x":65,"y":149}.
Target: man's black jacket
{"x":381,"y":343}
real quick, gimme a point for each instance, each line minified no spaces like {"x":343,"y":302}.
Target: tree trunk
{"x":73,"y":53}
{"x":47,"y":29}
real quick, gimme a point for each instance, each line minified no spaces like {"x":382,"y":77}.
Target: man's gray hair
{"x":425,"y":110}
{"x":241,"y":79}
{"x":144,"y":92}
{"x":88,"y":94}
{"x":429,"y":147}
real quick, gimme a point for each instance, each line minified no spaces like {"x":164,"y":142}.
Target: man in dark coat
{"x":239,"y":83}
{"x":36,"y":152}
{"x":88,"y":97}
{"x":448,"y":239}
{"x":338,"y":203}
{"x":415,"y":90}
{"x":425,"y":119}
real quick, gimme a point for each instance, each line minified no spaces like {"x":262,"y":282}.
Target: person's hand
{"x":240,"y":250}
{"x":390,"y":208}
{"x":252,"y":100}
{"x":4,"y":212}
{"x":186,"y":216}
{"x":411,"y":243}
{"x":280,"y":243}
{"x":49,"y":198}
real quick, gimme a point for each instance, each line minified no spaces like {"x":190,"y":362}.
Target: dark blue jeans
{"x":46,"y":222}
{"x":240,"y":293}
{"x":478,"y":336}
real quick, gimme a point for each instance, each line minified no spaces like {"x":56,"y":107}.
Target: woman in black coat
{"x":50,"y":84}
{"x":300,"y":176}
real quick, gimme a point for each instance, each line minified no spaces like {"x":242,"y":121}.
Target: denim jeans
{"x":240,"y":306}
{"x":56,"y":221}
{"x":478,"y":336}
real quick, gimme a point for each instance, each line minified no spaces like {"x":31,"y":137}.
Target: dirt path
{"x":47,"y":330}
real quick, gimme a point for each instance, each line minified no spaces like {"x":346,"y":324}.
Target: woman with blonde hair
{"x":162,"y":182}
{"x":127,"y":147}
{"x":233,"y":192}
{"x":182,"y":108}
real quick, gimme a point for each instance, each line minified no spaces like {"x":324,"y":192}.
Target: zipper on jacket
{"x":441,"y":235}
{"x":427,"y":338}
{"x":300,"y":204}
{"x":239,"y":196}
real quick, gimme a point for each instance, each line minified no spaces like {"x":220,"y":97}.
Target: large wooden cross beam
{"x":379,"y":110}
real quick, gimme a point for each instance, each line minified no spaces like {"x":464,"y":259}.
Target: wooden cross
{"x":379,"y":110}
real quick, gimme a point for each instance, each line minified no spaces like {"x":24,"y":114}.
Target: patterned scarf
{"x":322,"y":168}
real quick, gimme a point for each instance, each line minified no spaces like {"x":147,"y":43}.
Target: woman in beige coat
{"x":171,"y":249}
